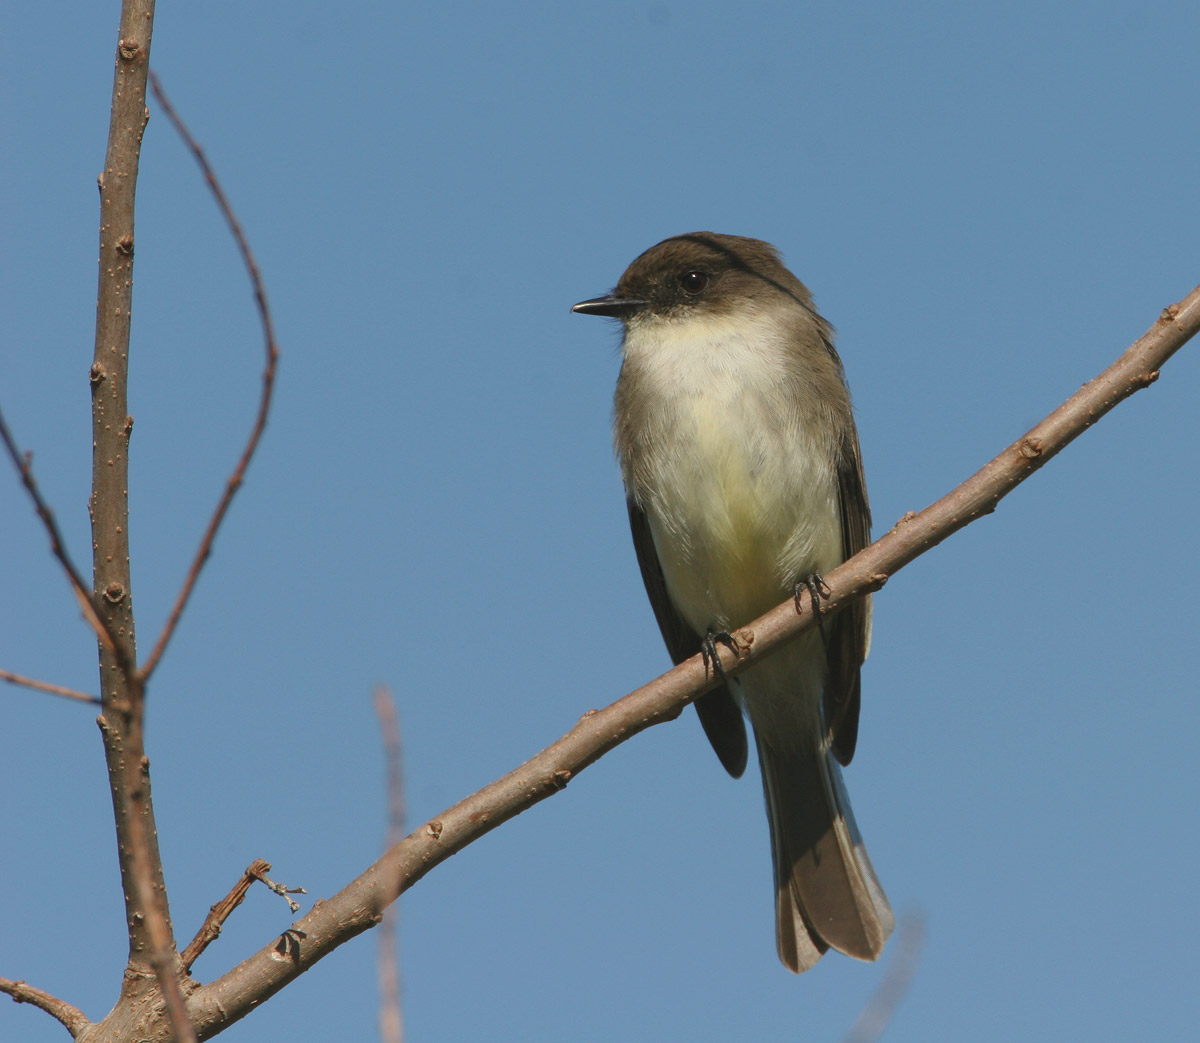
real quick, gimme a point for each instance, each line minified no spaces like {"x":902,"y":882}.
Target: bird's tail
{"x":826,"y":892}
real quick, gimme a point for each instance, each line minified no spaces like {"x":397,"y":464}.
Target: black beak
{"x":612,"y":306}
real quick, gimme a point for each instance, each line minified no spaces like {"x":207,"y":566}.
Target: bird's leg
{"x":708,"y":650}
{"x":817,"y":590}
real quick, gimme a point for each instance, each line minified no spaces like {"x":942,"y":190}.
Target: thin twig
{"x":894,"y":985}
{"x":72,"y":1017}
{"x":391,"y":1022}
{"x":268,"y":383}
{"x":24,"y":465}
{"x":359,"y":905}
{"x":219,"y":913}
{"x":46,"y":686}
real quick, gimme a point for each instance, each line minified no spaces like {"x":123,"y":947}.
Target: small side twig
{"x":268,"y":383}
{"x":391,"y":1022}
{"x":46,"y":686}
{"x":71,"y":1017}
{"x":219,"y":913}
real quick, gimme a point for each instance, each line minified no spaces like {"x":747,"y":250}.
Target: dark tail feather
{"x":826,"y":892}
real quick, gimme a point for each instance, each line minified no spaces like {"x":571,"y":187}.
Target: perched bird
{"x":744,"y":484}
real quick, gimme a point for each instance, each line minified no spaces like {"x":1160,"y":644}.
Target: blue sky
{"x":988,"y":201}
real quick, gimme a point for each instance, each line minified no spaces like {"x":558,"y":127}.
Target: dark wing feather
{"x":719,"y":712}
{"x":850,"y":629}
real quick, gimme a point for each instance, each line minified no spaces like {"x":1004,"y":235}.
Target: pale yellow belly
{"x":741,"y":511}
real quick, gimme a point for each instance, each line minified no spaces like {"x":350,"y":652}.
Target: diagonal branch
{"x":24,"y":465}
{"x":72,"y":1017}
{"x":359,"y":906}
{"x":264,"y":403}
{"x":46,"y":686}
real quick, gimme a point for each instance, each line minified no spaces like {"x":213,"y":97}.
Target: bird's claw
{"x":818,"y":591}
{"x":708,"y":650}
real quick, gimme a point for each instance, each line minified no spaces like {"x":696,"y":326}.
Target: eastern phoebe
{"x":744,"y":483}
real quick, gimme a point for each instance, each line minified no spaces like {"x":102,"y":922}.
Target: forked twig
{"x":282,"y":890}
{"x":268,"y":383}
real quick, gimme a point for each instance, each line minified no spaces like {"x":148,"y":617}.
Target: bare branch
{"x":46,"y":686}
{"x":268,"y":384}
{"x":391,"y":1022}
{"x":893,"y":986}
{"x":359,"y":905}
{"x":122,"y":689}
{"x":219,"y":913}
{"x":72,"y":1017}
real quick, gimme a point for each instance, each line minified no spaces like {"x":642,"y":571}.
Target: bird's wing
{"x":719,"y":712}
{"x":849,"y":632}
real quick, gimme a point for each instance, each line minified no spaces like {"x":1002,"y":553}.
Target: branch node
{"x":125,"y":246}
{"x":96,"y":374}
{"x":1031,"y":448}
{"x":877,"y":580}
{"x":435,"y":827}
{"x":560,"y":778}
{"x":288,"y":946}
{"x":114,"y":593}
{"x":128,"y":49}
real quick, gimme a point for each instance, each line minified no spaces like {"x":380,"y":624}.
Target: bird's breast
{"x":739,"y":490}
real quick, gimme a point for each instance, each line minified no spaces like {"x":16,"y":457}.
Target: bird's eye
{"x":693,"y":282}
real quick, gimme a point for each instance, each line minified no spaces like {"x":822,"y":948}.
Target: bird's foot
{"x":818,"y":591}
{"x":708,"y":650}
